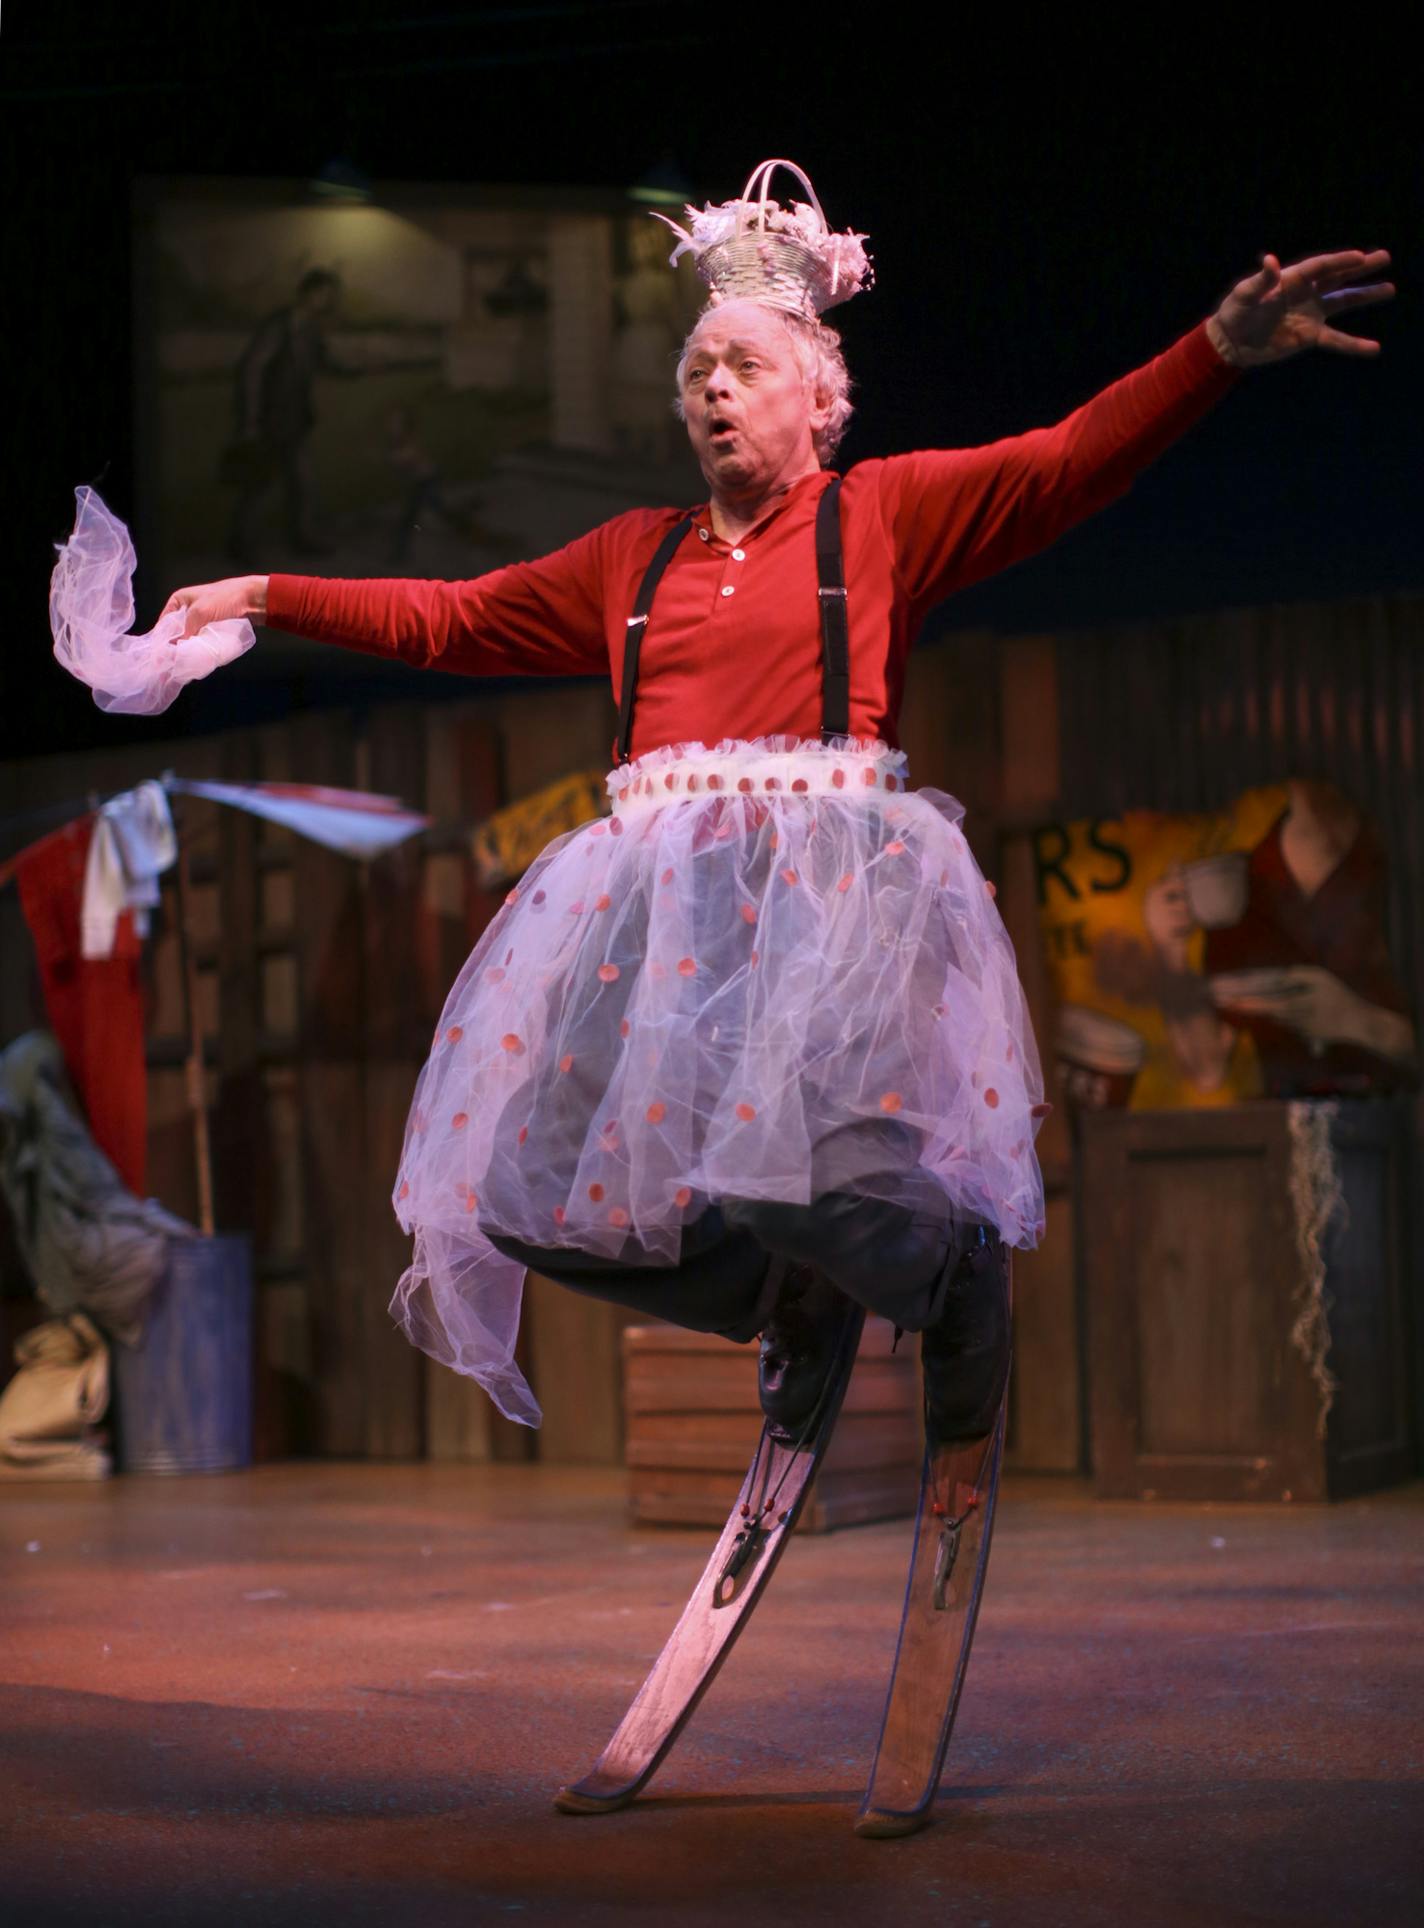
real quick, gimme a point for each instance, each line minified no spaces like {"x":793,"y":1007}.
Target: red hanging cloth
{"x":95,"y":1005}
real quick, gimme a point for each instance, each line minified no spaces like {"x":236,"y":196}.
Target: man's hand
{"x":1277,"y":312}
{"x":216,"y":602}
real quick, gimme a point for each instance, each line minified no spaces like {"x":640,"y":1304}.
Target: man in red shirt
{"x":844,"y":1077}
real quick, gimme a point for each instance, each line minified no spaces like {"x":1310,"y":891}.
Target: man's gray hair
{"x":822,"y":363}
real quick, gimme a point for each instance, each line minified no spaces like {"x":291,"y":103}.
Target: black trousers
{"x":893,"y":1256}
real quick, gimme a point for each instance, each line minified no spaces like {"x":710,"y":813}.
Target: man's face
{"x":750,"y":415}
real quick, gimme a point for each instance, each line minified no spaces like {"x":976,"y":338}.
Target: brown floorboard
{"x":329,"y":1693}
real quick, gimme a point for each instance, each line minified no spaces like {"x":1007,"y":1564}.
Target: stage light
{"x":664,"y":185}
{"x":341,"y":183}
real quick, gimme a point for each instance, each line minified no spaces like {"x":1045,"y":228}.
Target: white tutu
{"x":772,"y":973}
{"x":91,"y":610}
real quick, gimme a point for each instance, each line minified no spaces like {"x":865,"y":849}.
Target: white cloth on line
{"x":133,"y":844}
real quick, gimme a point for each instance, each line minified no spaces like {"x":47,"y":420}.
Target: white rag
{"x":133,"y":844}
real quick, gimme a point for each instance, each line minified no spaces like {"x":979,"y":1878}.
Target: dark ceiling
{"x":1047,"y":207}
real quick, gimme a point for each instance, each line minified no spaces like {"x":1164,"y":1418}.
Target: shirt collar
{"x":804,"y":488}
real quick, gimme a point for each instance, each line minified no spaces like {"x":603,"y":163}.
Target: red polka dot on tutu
{"x":746,"y":1112}
{"x":890,"y":1101}
{"x":566,"y":1063}
{"x":595,"y":1192}
{"x":755,"y":959}
{"x":559,"y":1214}
{"x":538,"y":900}
{"x":459,"y":1121}
{"x":846,"y":881}
{"x":723,"y":831}
{"x":624,"y":1027}
{"x":615,"y":828}
{"x":523,"y":1135}
{"x":687,"y":967}
{"x":404,"y":1191}
{"x":513,"y":1044}
{"x":576,"y":907}
{"x":744,"y":783}
{"x":604,"y":901}
{"x":772,"y":783}
{"x":1009,"y":1055}
{"x":597,"y":829}
{"x":455,"y":1033}
{"x":682,"y":1197}
{"x":749,"y":915}
{"x":610,"y":973}
{"x":789,"y":877}
{"x":892,"y":783}
{"x":667,"y":875}
{"x":774,"y":841}
{"x":991,"y":888}
{"x":467,"y":1196}
{"x":1039,"y":1111}
{"x":867,"y":777}
{"x":496,"y":976}
{"x":618,"y":1217}
{"x":714,"y":782}
{"x":1018,"y":1150}
{"x":669,"y":781}
{"x":991,"y":1099}
{"x":512,"y":897}
{"x":838,"y":779}
{"x":656,"y":1112}
{"x":894,"y":847}
{"x":692,"y":783}
{"x":509,"y":957}
{"x":800,"y":784}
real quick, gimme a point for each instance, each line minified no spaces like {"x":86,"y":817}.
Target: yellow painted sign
{"x":507,"y":843}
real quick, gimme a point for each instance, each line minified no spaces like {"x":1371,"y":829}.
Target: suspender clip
{"x":831,"y":589}
{"x":634,"y":622}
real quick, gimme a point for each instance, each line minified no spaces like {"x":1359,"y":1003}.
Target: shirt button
{"x":727,"y":589}
{"x":739,"y":555}
{"x":704,"y":535}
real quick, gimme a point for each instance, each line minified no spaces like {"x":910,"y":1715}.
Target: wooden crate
{"x":693,"y":1420}
{"x":1193,"y":1276}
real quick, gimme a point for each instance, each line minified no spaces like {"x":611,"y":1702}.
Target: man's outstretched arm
{"x":539,"y":618}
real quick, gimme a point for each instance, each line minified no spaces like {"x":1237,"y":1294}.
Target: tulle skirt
{"x":771,"y":973}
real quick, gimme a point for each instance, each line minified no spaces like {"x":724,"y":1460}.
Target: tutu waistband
{"x":765,"y":766}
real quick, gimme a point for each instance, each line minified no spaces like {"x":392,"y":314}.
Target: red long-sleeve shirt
{"x":733,"y":648}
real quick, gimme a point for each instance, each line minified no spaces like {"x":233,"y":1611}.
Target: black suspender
{"x":637,"y":623}
{"x":835,"y":624}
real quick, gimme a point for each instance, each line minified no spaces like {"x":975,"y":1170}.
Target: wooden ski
{"x":958,"y":1489}
{"x":761,"y":1521}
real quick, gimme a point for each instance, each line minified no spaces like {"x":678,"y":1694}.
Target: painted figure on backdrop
{"x":751,"y":1054}
{"x":1202,"y":959}
{"x":275,"y":412}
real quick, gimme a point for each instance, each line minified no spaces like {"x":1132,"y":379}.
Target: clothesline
{"x":359,"y":823}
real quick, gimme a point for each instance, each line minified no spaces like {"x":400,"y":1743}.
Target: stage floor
{"x":331,"y":1693}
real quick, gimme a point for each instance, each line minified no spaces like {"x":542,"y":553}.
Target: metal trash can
{"x":185,"y":1392}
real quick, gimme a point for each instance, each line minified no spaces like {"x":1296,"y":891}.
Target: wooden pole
{"x":197,"y":1083}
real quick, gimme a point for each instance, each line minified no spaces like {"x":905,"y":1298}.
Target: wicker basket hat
{"x":753,"y":249}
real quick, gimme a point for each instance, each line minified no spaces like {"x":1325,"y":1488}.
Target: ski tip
{"x":572,"y":1800}
{"x":884,"y":1824}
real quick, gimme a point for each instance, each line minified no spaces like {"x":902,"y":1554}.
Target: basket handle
{"x":763,"y":174}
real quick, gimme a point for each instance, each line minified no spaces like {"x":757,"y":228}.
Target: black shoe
{"x":798,"y":1350}
{"x":966,"y":1351}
